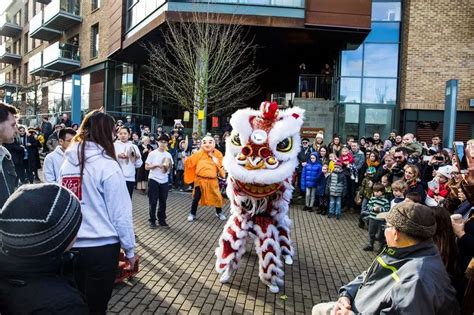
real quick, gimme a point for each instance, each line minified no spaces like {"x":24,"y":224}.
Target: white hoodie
{"x":128,"y":167}
{"x":105,"y":202}
{"x":52,"y":164}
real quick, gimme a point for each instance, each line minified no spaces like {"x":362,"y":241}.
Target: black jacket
{"x":35,"y":286}
{"x":17,"y":152}
{"x":7,"y":175}
{"x":410,"y":280}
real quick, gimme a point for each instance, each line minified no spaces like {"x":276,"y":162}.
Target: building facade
{"x":387,"y":71}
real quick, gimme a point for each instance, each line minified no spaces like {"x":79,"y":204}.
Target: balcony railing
{"x":39,"y":31}
{"x":6,"y":56}
{"x":316,"y":86}
{"x":62,"y":14}
{"x":61,"y":57}
{"x":7,"y":83}
{"x":9,"y":26}
{"x":36,"y":66}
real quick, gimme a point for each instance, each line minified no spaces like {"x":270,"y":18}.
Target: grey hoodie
{"x":52,"y":165}
{"x":106,"y":205}
{"x":410,"y":280}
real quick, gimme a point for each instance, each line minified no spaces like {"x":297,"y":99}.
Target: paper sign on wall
{"x":200,"y":114}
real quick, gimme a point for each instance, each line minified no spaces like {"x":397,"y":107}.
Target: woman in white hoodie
{"x":128,"y":156}
{"x":92,"y":172}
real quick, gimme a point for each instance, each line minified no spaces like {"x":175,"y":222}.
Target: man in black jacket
{"x":8,"y":130}
{"x":408,"y":277}
{"x":17,"y":150}
{"x":38,"y":223}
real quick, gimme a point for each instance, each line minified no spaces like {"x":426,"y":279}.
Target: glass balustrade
{"x":60,"y":51}
{"x":65,"y":6}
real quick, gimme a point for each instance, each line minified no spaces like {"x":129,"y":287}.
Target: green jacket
{"x":410,"y":280}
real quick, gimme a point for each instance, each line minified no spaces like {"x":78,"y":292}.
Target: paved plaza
{"x":177,"y":265}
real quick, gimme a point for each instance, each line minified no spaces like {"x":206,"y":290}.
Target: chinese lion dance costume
{"x":261,"y":157}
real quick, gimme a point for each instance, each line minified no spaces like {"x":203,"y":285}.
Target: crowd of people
{"x":414,"y":199}
{"x":372,"y":176}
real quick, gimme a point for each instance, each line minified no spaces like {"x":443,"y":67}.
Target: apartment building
{"x":43,"y":44}
{"x":389,"y":59}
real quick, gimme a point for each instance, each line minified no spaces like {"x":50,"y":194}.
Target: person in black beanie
{"x":38,"y":224}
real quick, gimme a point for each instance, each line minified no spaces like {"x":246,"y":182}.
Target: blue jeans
{"x":335,"y":205}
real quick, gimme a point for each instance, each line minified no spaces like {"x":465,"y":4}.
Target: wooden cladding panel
{"x":96,"y":91}
{"x":424,"y":134}
{"x":339,"y":13}
{"x":116,"y":20}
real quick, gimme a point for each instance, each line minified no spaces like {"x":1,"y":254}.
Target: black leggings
{"x":95,"y":272}
{"x":197,"y":197}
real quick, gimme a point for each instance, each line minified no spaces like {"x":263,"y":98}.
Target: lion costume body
{"x":261,"y":157}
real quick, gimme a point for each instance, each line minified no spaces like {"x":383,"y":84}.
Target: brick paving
{"x":177,"y":265}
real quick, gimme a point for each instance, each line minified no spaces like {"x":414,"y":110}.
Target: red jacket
{"x":347,"y":159}
{"x":443,"y":191}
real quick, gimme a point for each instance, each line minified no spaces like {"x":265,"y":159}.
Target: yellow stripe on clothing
{"x":392,"y":268}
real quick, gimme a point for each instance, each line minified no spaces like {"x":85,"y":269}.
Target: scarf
{"x":374,"y":164}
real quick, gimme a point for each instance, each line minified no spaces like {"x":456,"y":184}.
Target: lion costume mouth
{"x":258,"y":190}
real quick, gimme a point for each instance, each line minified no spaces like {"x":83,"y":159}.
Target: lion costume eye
{"x":285,"y":145}
{"x":235,"y":140}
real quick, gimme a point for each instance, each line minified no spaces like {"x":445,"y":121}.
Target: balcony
{"x":39,"y":31}
{"x":61,"y":57}
{"x":7,"y":84}
{"x":6,"y":56}
{"x":36,"y":67}
{"x":316,"y":86}
{"x":8,"y":26}
{"x":61,"y":15}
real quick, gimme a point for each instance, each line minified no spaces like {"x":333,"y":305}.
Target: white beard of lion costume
{"x":261,"y":157}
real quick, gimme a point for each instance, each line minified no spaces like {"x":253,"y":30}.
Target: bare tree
{"x":204,"y":62}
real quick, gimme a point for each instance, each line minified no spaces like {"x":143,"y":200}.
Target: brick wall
{"x":89,"y":18}
{"x":437,"y":45}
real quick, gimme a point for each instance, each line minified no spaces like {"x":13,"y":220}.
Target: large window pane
{"x":381,"y":60}
{"x":351,"y":62}
{"x":379,"y":91}
{"x":378,"y":120}
{"x":350,"y":90}
{"x":349,"y":120}
{"x":384,"y":33}
{"x":386,"y":11}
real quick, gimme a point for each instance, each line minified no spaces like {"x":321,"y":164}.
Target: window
{"x":378,"y":120}
{"x":27,"y":3}
{"x":383,"y":32}
{"x":26,"y":40}
{"x":34,"y":7}
{"x":351,"y":62}
{"x":381,"y":60}
{"x":380,"y":91}
{"x":25,"y":73}
{"x":386,"y":11}
{"x":95,"y":4}
{"x":94,"y":40}
{"x":17,"y":18}
{"x":350,"y":90}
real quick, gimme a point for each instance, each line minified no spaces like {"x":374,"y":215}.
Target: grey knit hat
{"x":413,"y":219}
{"x":39,"y":220}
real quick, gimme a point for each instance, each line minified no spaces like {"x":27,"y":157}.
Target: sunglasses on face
{"x":398,"y":157}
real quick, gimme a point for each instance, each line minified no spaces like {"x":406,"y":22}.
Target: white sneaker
{"x":226,"y":276}
{"x":191,"y":217}
{"x":288,"y":260}
{"x":221,"y":216}
{"x":274,"y":288}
